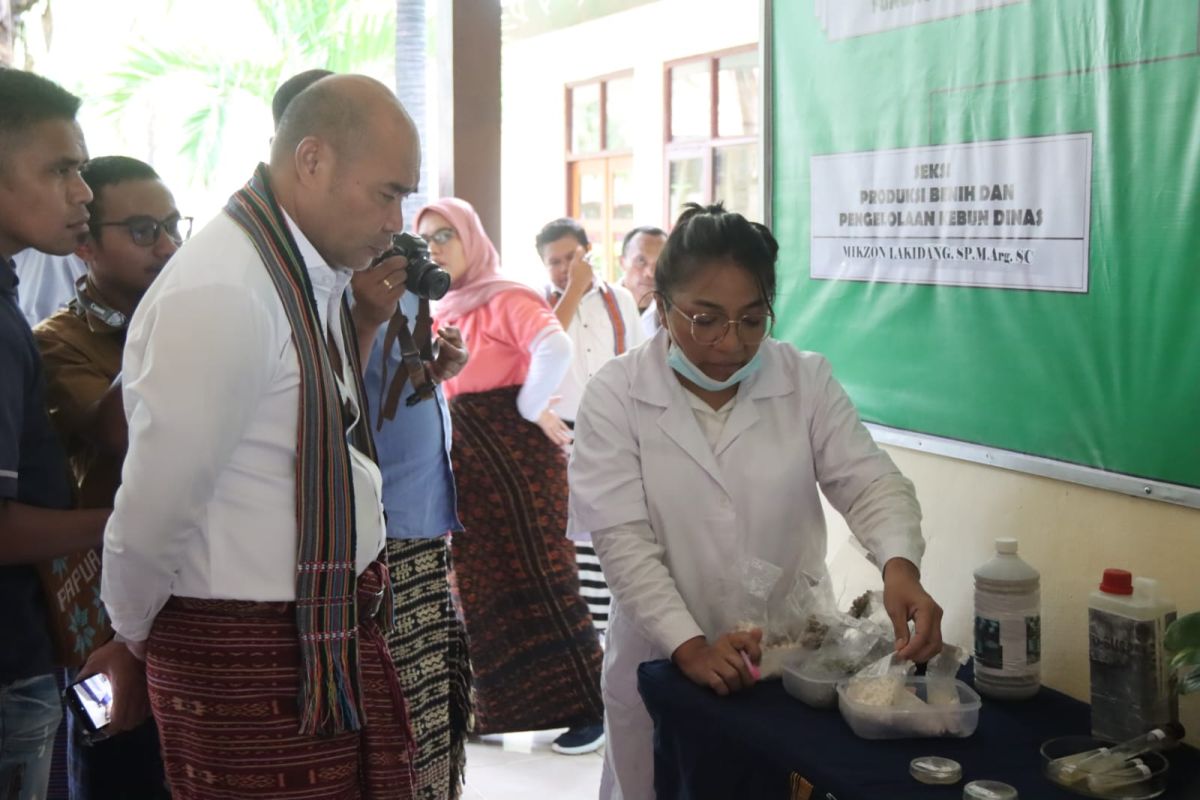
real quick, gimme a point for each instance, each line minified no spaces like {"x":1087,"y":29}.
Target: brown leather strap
{"x":423,"y":335}
{"x":416,"y":354}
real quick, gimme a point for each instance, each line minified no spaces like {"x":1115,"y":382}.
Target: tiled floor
{"x":520,"y":766}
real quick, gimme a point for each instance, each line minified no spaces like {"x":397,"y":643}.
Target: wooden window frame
{"x":606,"y":156}
{"x":603,"y":80}
{"x":690,"y":148}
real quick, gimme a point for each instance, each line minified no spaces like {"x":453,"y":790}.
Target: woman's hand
{"x":552,"y":425}
{"x":452,"y":354}
{"x":720,"y":665}
{"x":904,"y":598}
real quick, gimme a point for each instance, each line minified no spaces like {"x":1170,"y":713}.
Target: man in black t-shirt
{"x":43,"y":205}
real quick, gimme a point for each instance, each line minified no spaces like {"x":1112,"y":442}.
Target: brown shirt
{"x":82,"y":357}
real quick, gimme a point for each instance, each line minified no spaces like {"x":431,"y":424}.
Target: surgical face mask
{"x":679,"y":362}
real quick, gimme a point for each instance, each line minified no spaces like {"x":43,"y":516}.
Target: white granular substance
{"x":880,"y":692}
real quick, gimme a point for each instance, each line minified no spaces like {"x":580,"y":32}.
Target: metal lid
{"x":935,"y":770}
{"x":989,"y":790}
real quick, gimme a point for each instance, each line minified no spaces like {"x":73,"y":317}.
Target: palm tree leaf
{"x":342,"y":35}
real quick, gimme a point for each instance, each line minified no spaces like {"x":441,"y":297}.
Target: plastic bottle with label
{"x":1008,"y":626}
{"x":1132,"y":690}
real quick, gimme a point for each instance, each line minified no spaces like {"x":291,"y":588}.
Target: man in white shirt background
{"x":242,"y":558}
{"x":639,"y":255}
{"x":47,"y":282}
{"x":600,"y":318}
{"x":603,"y":322}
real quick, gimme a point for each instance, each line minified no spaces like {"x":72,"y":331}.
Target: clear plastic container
{"x":913,"y":721}
{"x":1131,"y":685}
{"x":989,"y":790}
{"x":935,"y":770}
{"x":1143,"y":788}
{"x":812,"y":684}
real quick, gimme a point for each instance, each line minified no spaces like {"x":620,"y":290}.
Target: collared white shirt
{"x":650,"y":324}
{"x":207,"y":506}
{"x":672,"y":515}
{"x":711,"y":421}
{"x":680,"y":496}
{"x":592,"y":334}
{"x":47,"y":282}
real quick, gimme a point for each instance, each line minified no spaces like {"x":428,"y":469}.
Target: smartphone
{"x":90,"y":700}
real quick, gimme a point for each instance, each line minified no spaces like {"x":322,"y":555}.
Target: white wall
{"x":1070,"y":533}
{"x":535,"y":74}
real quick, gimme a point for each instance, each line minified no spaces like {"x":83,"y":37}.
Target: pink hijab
{"x":481,"y":281}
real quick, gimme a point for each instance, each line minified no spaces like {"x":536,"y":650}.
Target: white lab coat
{"x":673,"y":518}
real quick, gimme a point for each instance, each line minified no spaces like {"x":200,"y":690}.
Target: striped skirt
{"x":429,"y":645}
{"x":534,"y":651}
{"x":224,"y":679}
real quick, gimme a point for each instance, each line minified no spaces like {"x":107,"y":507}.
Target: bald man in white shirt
{"x":242,"y":558}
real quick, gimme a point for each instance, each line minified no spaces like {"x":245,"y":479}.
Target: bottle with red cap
{"x":1132,"y":690}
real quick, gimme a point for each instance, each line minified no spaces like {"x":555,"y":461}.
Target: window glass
{"x":736,"y":179}
{"x":691,"y":100}
{"x":737,"y":95}
{"x":686,"y":184}
{"x":585,"y":118}
{"x":618,"y":110}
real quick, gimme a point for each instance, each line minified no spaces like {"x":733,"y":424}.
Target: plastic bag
{"x":941,"y":672}
{"x":757,"y":582}
{"x":881,"y":683}
{"x":794,"y":620}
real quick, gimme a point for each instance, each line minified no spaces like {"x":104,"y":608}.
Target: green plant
{"x":1183,"y":639}
{"x":339,"y":35}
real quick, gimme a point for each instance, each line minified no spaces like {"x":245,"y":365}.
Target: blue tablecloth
{"x":750,"y":744}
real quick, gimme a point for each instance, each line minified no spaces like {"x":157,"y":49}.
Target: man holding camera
{"x":242,"y":560}
{"x":427,"y":641}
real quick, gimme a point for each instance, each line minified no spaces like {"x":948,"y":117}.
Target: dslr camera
{"x":425,"y":278}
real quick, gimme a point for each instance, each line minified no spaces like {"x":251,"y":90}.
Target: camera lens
{"x":428,"y":280}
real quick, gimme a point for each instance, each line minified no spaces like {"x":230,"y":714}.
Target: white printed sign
{"x":843,"y":19}
{"x":1012,"y":214}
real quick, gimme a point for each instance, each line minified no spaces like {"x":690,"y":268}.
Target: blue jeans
{"x":30,"y":711}
{"x":127,"y":766}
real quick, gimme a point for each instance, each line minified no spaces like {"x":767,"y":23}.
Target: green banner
{"x":987,"y":217}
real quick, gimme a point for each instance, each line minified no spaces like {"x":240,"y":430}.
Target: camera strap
{"x":416,"y":354}
{"x":109,"y":316}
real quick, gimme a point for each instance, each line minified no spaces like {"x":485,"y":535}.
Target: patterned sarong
{"x":429,"y":646}
{"x":224,"y":679}
{"x":534,"y":651}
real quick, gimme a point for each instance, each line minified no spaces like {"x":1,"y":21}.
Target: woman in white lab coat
{"x":705,"y":447}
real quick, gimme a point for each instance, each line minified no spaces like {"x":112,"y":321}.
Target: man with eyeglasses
{"x":134,"y":230}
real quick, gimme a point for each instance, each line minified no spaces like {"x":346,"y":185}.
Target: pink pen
{"x":755,"y":672}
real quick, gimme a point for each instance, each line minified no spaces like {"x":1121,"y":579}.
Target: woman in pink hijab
{"x":535,"y":655}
